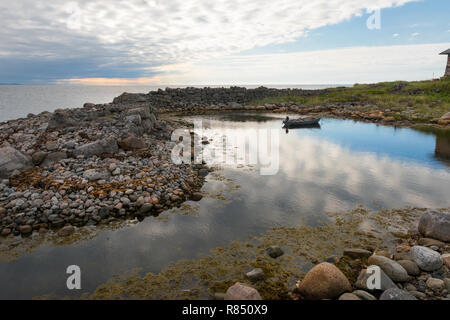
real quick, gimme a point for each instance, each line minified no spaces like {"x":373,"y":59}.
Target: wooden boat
{"x":300,"y":123}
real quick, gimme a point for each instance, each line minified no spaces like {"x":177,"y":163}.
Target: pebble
{"x":255,"y":274}
{"x":436,"y":285}
{"x":242,"y":291}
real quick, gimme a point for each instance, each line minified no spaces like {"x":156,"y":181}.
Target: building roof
{"x":445,"y":52}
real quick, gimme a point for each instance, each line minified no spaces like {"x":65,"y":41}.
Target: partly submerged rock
{"x":274,"y":251}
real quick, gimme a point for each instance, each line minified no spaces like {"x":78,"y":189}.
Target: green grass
{"x":419,"y":99}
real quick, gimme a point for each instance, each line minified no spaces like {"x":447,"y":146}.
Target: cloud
{"x":415,"y":34}
{"x":346,"y":66}
{"x":395,"y":35}
{"x":113,"y":33}
{"x":110,"y":81}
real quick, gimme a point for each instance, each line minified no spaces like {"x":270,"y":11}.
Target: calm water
{"x":19,"y":101}
{"x":333,"y":168}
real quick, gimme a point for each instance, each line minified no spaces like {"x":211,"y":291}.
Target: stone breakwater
{"x":89,"y":166}
{"x":194,"y":97}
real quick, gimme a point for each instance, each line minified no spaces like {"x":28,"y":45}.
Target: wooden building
{"x":447,"y":69}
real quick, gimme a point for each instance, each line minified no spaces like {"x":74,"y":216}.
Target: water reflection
{"x":443,"y":148}
{"x":332,"y":169}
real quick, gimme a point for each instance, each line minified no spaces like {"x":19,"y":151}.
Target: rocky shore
{"x":108,"y":162}
{"x":417,"y":269}
{"x":99,"y":163}
{"x":89,"y":166}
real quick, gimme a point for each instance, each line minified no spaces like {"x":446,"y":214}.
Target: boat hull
{"x":299,"y":124}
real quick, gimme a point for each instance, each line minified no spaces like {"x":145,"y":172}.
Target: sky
{"x":222,"y":42}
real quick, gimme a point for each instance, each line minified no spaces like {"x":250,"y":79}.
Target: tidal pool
{"x":333,"y":168}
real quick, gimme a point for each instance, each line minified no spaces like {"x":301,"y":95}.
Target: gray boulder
{"x":426,"y":259}
{"x":392,"y":269}
{"x":104,"y":146}
{"x":11,"y":160}
{"x":435,"y":224}
{"x":396,"y":294}
{"x":96,"y":174}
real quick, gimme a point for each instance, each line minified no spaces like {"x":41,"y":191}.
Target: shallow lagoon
{"x":335,"y":168}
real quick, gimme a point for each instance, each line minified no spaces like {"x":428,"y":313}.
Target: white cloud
{"x":346,"y":66}
{"x":415,"y":34}
{"x":395,"y":35}
{"x":164,"y":31}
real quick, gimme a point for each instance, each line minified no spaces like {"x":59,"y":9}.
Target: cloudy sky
{"x":188,"y":42}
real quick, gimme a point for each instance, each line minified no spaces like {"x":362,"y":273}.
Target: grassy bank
{"x":400,"y":99}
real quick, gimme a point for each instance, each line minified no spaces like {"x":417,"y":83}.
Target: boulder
{"x":392,"y":269}
{"x":11,"y":160}
{"x":426,"y":259}
{"x":410,"y":266}
{"x":386,"y":282}
{"x":131,"y":143}
{"x":241,"y":291}
{"x":436,"y":225}
{"x":396,"y":294}
{"x":104,"y":146}
{"x":357,"y":253}
{"x":324,"y":281}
